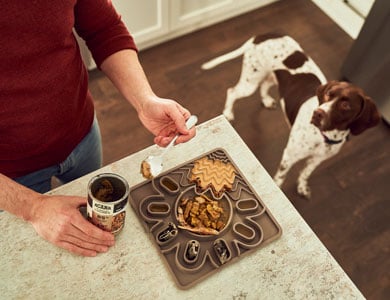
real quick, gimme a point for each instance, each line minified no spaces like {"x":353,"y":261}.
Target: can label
{"x":107,"y":201}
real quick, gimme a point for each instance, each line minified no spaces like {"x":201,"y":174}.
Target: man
{"x":47,"y":124}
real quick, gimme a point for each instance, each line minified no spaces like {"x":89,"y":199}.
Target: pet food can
{"x":108,"y":196}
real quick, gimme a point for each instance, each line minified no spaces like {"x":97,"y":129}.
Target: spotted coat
{"x":321,"y":114}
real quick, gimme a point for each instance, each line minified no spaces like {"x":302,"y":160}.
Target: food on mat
{"x":201,"y":215}
{"x":213,"y":173}
{"x":145,"y":170}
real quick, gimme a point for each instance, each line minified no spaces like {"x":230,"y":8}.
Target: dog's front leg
{"x":303,"y":188}
{"x":230,"y":99}
{"x":284,"y":166}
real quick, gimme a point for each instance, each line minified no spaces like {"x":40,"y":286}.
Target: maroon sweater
{"x":45,"y":106}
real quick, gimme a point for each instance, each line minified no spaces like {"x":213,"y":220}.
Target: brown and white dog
{"x":321,"y":114}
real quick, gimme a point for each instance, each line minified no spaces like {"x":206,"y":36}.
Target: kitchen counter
{"x":294,"y":266}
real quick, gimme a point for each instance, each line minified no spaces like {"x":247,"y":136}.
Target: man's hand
{"x":165,"y":118}
{"x":58,"y":220}
{"x":162,"y":117}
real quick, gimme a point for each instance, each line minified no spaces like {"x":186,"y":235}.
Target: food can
{"x":108,"y":195}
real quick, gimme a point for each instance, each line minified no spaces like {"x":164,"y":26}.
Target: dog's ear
{"x":368,"y":117}
{"x":322,"y":89}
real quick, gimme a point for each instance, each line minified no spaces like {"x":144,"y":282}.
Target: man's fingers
{"x":78,"y":235}
{"x":76,"y":250}
{"x":88,"y":231}
{"x":185,"y":138}
{"x":165,"y":137}
{"x":78,"y":201}
{"x":91,"y":233}
{"x":180,"y":117}
{"x":78,"y":242}
{"x":85,"y":244}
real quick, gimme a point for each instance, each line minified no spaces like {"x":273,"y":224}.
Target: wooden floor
{"x":349,"y":210}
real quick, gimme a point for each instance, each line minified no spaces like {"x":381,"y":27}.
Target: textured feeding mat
{"x":203,"y":215}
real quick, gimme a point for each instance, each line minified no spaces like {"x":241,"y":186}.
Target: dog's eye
{"x":344,"y":105}
{"x":330,"y":94}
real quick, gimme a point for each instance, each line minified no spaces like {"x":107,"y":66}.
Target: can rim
{"x":108,"y":175}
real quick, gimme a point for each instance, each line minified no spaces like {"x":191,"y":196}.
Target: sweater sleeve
{"x":98,"y":23}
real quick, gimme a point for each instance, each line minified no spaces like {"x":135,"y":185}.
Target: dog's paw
{"x":228,"y":115}
{"x":278,"y":180}
{"x":304,"y":190}
{"x":269,"y":102}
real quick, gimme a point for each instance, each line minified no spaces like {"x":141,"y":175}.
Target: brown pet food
{"x":201,"y":215}
{"x":105,"y":191}
{"x":145,"y":170}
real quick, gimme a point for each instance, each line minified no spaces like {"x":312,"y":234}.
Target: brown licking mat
{"x":203,"y":215}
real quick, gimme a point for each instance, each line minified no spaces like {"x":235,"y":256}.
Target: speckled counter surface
{"x":295,"y":266}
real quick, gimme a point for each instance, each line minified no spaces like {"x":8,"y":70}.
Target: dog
{"x":321,"y":114}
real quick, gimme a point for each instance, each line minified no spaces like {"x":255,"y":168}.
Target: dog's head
{"x":344,"y":106}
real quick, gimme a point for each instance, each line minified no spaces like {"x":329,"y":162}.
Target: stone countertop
{"x":295,"y":266}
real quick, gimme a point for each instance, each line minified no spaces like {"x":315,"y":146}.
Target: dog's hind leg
{"x":241,"y":90}
{"x":246,"y":86}
{"x":265,"y":86}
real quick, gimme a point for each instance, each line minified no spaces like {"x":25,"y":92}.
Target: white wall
{"x":349,"y":16}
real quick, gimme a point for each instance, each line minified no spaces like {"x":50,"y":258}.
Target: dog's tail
{"x":228,"y":56}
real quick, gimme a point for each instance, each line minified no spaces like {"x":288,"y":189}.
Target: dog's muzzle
{"x":318,"y":117}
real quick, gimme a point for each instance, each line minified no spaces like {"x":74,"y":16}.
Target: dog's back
{"x":268,"y":60}
{"x":271,"y":52}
